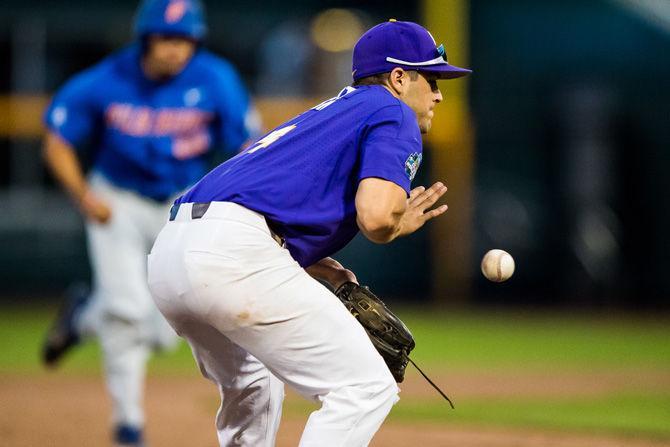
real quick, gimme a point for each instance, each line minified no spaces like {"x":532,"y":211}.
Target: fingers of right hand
{"x":435,"y":212}
{"x":431,"y":195}
{"x":415,"y":192}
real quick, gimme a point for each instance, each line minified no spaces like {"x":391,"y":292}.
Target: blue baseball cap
{"x":171,"y":17}
{"x":401,"y":44}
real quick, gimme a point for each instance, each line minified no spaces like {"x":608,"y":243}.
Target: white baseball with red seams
{"x":497,"y":265}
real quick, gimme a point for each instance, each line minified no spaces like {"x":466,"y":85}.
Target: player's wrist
{"x":343,"y":276}
{"x":402,"y":227}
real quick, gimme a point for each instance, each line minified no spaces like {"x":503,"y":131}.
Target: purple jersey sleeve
{"x":391,"y":146}
{"x":73,"y":113}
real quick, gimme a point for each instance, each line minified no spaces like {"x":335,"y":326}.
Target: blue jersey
{"x":149,"y":136}
{"x":303,"y":176}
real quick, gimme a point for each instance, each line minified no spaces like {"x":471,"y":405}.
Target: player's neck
{"x":390,"y":90}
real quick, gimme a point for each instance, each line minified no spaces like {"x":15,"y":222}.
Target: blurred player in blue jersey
{"x":236,"y":269}
{"x":149,"y":115}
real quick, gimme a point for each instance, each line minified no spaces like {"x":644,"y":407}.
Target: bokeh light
{"x":336,"y":30}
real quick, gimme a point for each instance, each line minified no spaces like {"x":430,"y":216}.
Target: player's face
{"x":167,"y":56}
{"x":422,"y":95}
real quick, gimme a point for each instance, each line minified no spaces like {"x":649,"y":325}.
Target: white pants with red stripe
{"x":255,"y":321}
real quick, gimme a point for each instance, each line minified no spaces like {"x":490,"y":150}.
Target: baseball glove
{"x":386,"y":331}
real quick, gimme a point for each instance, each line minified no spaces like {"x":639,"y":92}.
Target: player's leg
{"x":117,"y":251}
{"x":254,"y":293}
{"x":65,"y":332}
{"x":122,"y":306}
{"x":307,"y":338}
{"x":251,"y":396}
{"x":125,"y":354}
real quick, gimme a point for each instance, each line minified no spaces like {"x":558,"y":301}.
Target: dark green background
{"x":527,"y":57}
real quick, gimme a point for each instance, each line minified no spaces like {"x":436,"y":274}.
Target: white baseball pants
{"x":256,"y":320}
{"x":121,"y":313}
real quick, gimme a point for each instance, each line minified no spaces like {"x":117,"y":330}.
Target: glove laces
{"x":431,"y":382}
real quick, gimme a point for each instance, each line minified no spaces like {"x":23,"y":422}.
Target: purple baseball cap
{"x":401,"y":44}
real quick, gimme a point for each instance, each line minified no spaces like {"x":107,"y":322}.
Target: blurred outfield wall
{"x":571,"y":104}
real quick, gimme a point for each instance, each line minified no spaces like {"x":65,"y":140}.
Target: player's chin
{"x":175,"y":68}
{"x":172,"y":67}
{"x":425,"y":125}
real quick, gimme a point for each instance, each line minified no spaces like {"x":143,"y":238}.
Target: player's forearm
{"x":64,"y":165}
{"x":381,"y":221}
{"x":332,"y":272}
{"x":384,"y":223}
{"x":380,"y":206}
{"x":381,"y":230}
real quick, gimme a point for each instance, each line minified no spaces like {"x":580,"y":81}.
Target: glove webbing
{"x":431,"y":382}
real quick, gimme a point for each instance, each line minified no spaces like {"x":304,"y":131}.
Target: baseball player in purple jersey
{"x":235,"y":269}
{"x":150,"y":113}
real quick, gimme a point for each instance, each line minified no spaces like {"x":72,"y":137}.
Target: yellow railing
{"x":452,"y":140}
{"x":21,"y":115}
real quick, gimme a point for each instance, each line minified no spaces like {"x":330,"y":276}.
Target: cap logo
{"x":175,"y":11}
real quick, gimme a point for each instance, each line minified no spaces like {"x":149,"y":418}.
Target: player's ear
{"x":398,"y":80}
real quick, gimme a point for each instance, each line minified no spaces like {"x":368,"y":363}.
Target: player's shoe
{"x":128,"y":436}
{"x":63,"y":335}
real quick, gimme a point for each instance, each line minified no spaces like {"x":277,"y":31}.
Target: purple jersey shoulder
{"x":303,"y":175}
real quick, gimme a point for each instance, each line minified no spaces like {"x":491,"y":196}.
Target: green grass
{"x":633,"y":415}
{"x":464,"y":342}
{"x":455,"y":341}
{"x":512,"y":341}
{"x":22,"y":332}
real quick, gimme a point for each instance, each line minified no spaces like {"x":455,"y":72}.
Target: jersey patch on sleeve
{"x":412,"y":165}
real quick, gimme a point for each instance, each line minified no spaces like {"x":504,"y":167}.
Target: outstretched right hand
{"x":418,"y":204}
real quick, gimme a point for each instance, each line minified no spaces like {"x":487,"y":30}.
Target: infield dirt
{"x":58,"y":409}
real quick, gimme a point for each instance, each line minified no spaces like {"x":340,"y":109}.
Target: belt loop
{"x":199,"y":209}
{"x":174,"y":210}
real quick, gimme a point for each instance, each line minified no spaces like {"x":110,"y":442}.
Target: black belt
{"x":199,"y":209}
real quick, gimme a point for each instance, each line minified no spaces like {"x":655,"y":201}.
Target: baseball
{"x":497,"y":265}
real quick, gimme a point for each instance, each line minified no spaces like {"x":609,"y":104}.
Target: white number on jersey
{"x":277,"y":134}
{"x":327,"y":102}
{"x":270,"y":138}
